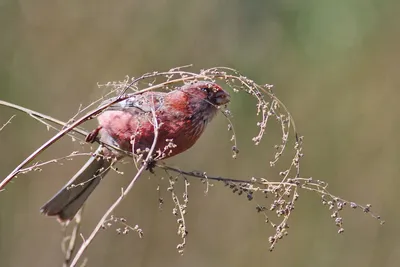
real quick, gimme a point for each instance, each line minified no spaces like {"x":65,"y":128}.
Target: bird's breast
{"x":176,"y":132}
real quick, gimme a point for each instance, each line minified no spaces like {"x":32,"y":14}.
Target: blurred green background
{"x":334,"y":63}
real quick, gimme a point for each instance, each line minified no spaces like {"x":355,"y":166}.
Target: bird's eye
{"x":205,"y":89}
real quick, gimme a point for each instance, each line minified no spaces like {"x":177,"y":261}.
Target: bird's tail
{"x":67,"y":202}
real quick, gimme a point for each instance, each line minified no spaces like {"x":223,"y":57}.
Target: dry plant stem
{"x":44,"y":118}
{"x":182,"y":232}
{"x":55,"y":138}
{"x":124,"y":192}
{"x":37,"y":166}
{"x":263,"y":185}
{"x":201,"y":175}
{"x":38,"y":115}
{"x":8,"y":122}
{"x":113,"y":219}
{"x":68,"y":251}
{"x":67,"y":129}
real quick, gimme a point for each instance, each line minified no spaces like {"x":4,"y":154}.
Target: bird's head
{"x":203,"y":99}
{"x":209,"y":92}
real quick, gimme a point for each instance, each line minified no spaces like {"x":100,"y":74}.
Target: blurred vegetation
{"x":334,"y":63}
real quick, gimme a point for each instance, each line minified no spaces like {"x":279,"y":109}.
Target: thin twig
{"x":8,"y":122}
{"x":201,"y":175}
{"x":179,"y":211}
{"x":55,"y":138}
{"x":37,"y":166}
{"x":88,"y":240}
{"x":68,"y":251}
{"x":43,"y":118}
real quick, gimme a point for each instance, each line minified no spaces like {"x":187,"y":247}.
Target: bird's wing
{"x":138,"y":104}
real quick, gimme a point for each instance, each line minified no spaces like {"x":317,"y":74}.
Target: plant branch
{"x":8,"y":122}
{"x":69,"y":250}
{"x":124,"y":192}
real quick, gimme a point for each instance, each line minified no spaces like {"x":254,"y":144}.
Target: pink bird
{"x":182,"y":115}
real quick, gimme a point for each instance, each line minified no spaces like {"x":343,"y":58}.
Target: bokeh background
{"x":334,"y":63}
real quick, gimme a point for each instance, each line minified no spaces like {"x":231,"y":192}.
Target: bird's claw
{"x":150,"y":165}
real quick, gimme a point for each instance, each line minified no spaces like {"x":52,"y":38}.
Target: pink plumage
{"x":182,"y":115}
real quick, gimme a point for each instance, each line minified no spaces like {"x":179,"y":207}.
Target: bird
{"x":182,"y":116}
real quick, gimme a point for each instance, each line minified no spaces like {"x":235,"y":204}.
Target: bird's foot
{"x":150,"y":165}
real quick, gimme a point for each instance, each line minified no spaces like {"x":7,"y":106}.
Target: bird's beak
{"x":222,"y":97}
